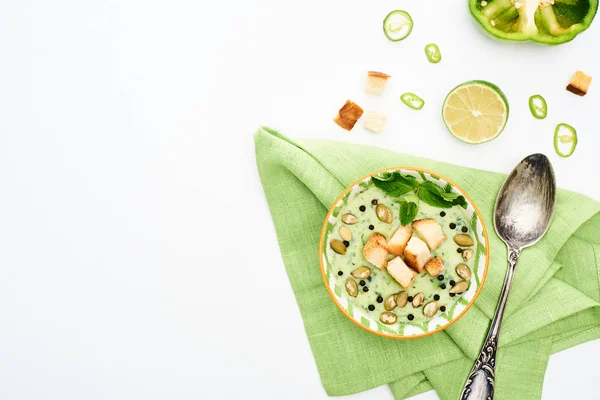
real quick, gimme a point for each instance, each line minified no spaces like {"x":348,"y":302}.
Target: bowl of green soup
{"x":404,"y":252}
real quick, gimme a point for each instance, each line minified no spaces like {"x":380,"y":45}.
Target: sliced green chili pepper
{"x":565,"y":135}
{"x":432,"y":51}
{"x":412,"y":100}
{"x":397,"y":25}
{"x":543,"y":21}
{"x":538,"y":106}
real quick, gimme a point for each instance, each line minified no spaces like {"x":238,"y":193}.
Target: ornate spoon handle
{"x":480,"y":384}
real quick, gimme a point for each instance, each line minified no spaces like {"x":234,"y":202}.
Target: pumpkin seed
{"x":351,"y":287}
{"x":349,"y":219}
{"x":390,"y":303}
{"x":338,"y":246}
{"x":361,"y":272}
{"x":467,"y":254}
{"x":418,"y":300}
{"x":388,"y":318}
{"x":431,"y":308}
{"x":345,"y":233}
{"x":463,"y":271}
{"x":402,"y":299}
{"x":460,"y":287}
{"x":384,"y":213}
{"x":463,"y":240}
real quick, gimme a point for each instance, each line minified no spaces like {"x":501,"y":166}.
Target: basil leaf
{"x":396,"y":185}
{"x":433,"y":199}
{"x":460,"y":201}
{"x":449,"y":196}
{"x":455,"y":198}
{"x":384,"y":176}
{"x":432,"y":187}
{"x":409,"y":208}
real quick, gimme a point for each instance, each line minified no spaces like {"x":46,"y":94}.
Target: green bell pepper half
{"x":549,"y":22}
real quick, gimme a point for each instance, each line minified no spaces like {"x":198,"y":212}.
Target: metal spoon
{"x":523,"y":212}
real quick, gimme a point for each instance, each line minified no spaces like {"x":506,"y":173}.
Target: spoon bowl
{"x":525,"y":204}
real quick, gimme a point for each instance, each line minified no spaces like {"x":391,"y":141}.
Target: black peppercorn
{"x":410,"y":317}
{"x":362,"y":283}
{"x":366,"y":289}
{"x":443,"y":308}
{"x":452,"y":283}
{"x":374,"y":202}
{"x":452,"y":225}
{"x":459,"y":250}
{"x":379,"y":299}
{"x":465,"y":229}
{"x":340,"y":273}
{"x":440,"y":277}
{"x":371,"y":227}
{"x":371,"y":307}
{"x":443,"y":286}
{"x":409,"y":298}
{"x":346,"y":243}
{"x":436,"y":297}
{"x":362,"y":208}
{"x":452,"y":294}
{"x":443,"y":214}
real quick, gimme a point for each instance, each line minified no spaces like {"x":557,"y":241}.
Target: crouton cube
{"x":401,"y":273}
{"x":398,"y":241}
{"x":375,"y":122}
{"x":416,"y":254}
{"x":375,"y":251}
{"x":580,"y":83}
{"x":376,"y":82}
{"x":430,"y":231}
{"x":348,"y":115}
{"x":435,"y":267}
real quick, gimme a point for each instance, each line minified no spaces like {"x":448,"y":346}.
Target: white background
{"x":135,"y":241}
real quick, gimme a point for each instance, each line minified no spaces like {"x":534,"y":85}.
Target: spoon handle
{"x":480,"y":383}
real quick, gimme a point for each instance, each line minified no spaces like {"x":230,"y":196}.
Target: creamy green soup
{"x":374,"y":290}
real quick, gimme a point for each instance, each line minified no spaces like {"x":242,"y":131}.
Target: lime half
{"x":475,"y":112}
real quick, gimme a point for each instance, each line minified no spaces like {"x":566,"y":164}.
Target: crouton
{"x":401,"y":273}
{"x":416,"y":254}
{"x":375,"y":251}
{"x":375,"y":122}
{"x":580,"y":83}
{"x":398,"y":241}
{"x":376,"y":82}
{"x":348,"y":115}
{"x":435,"y":267}
{"x":430,"y":231}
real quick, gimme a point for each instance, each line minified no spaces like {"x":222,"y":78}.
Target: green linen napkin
{"x":554,"y":303}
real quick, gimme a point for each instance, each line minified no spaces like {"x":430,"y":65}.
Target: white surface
{"x":130,"y":193}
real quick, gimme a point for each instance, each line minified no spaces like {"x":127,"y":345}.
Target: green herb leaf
{"x":432,"y":187}
{"x":460,"y":201}
{"x":433,"y":199}
{"x":395,"y":184}
{"x":449,"y":196}
{"x":440,"y":197}
{"x":384,"y":176}
{"x":455,"y":198}
{"x":409,"y":208}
